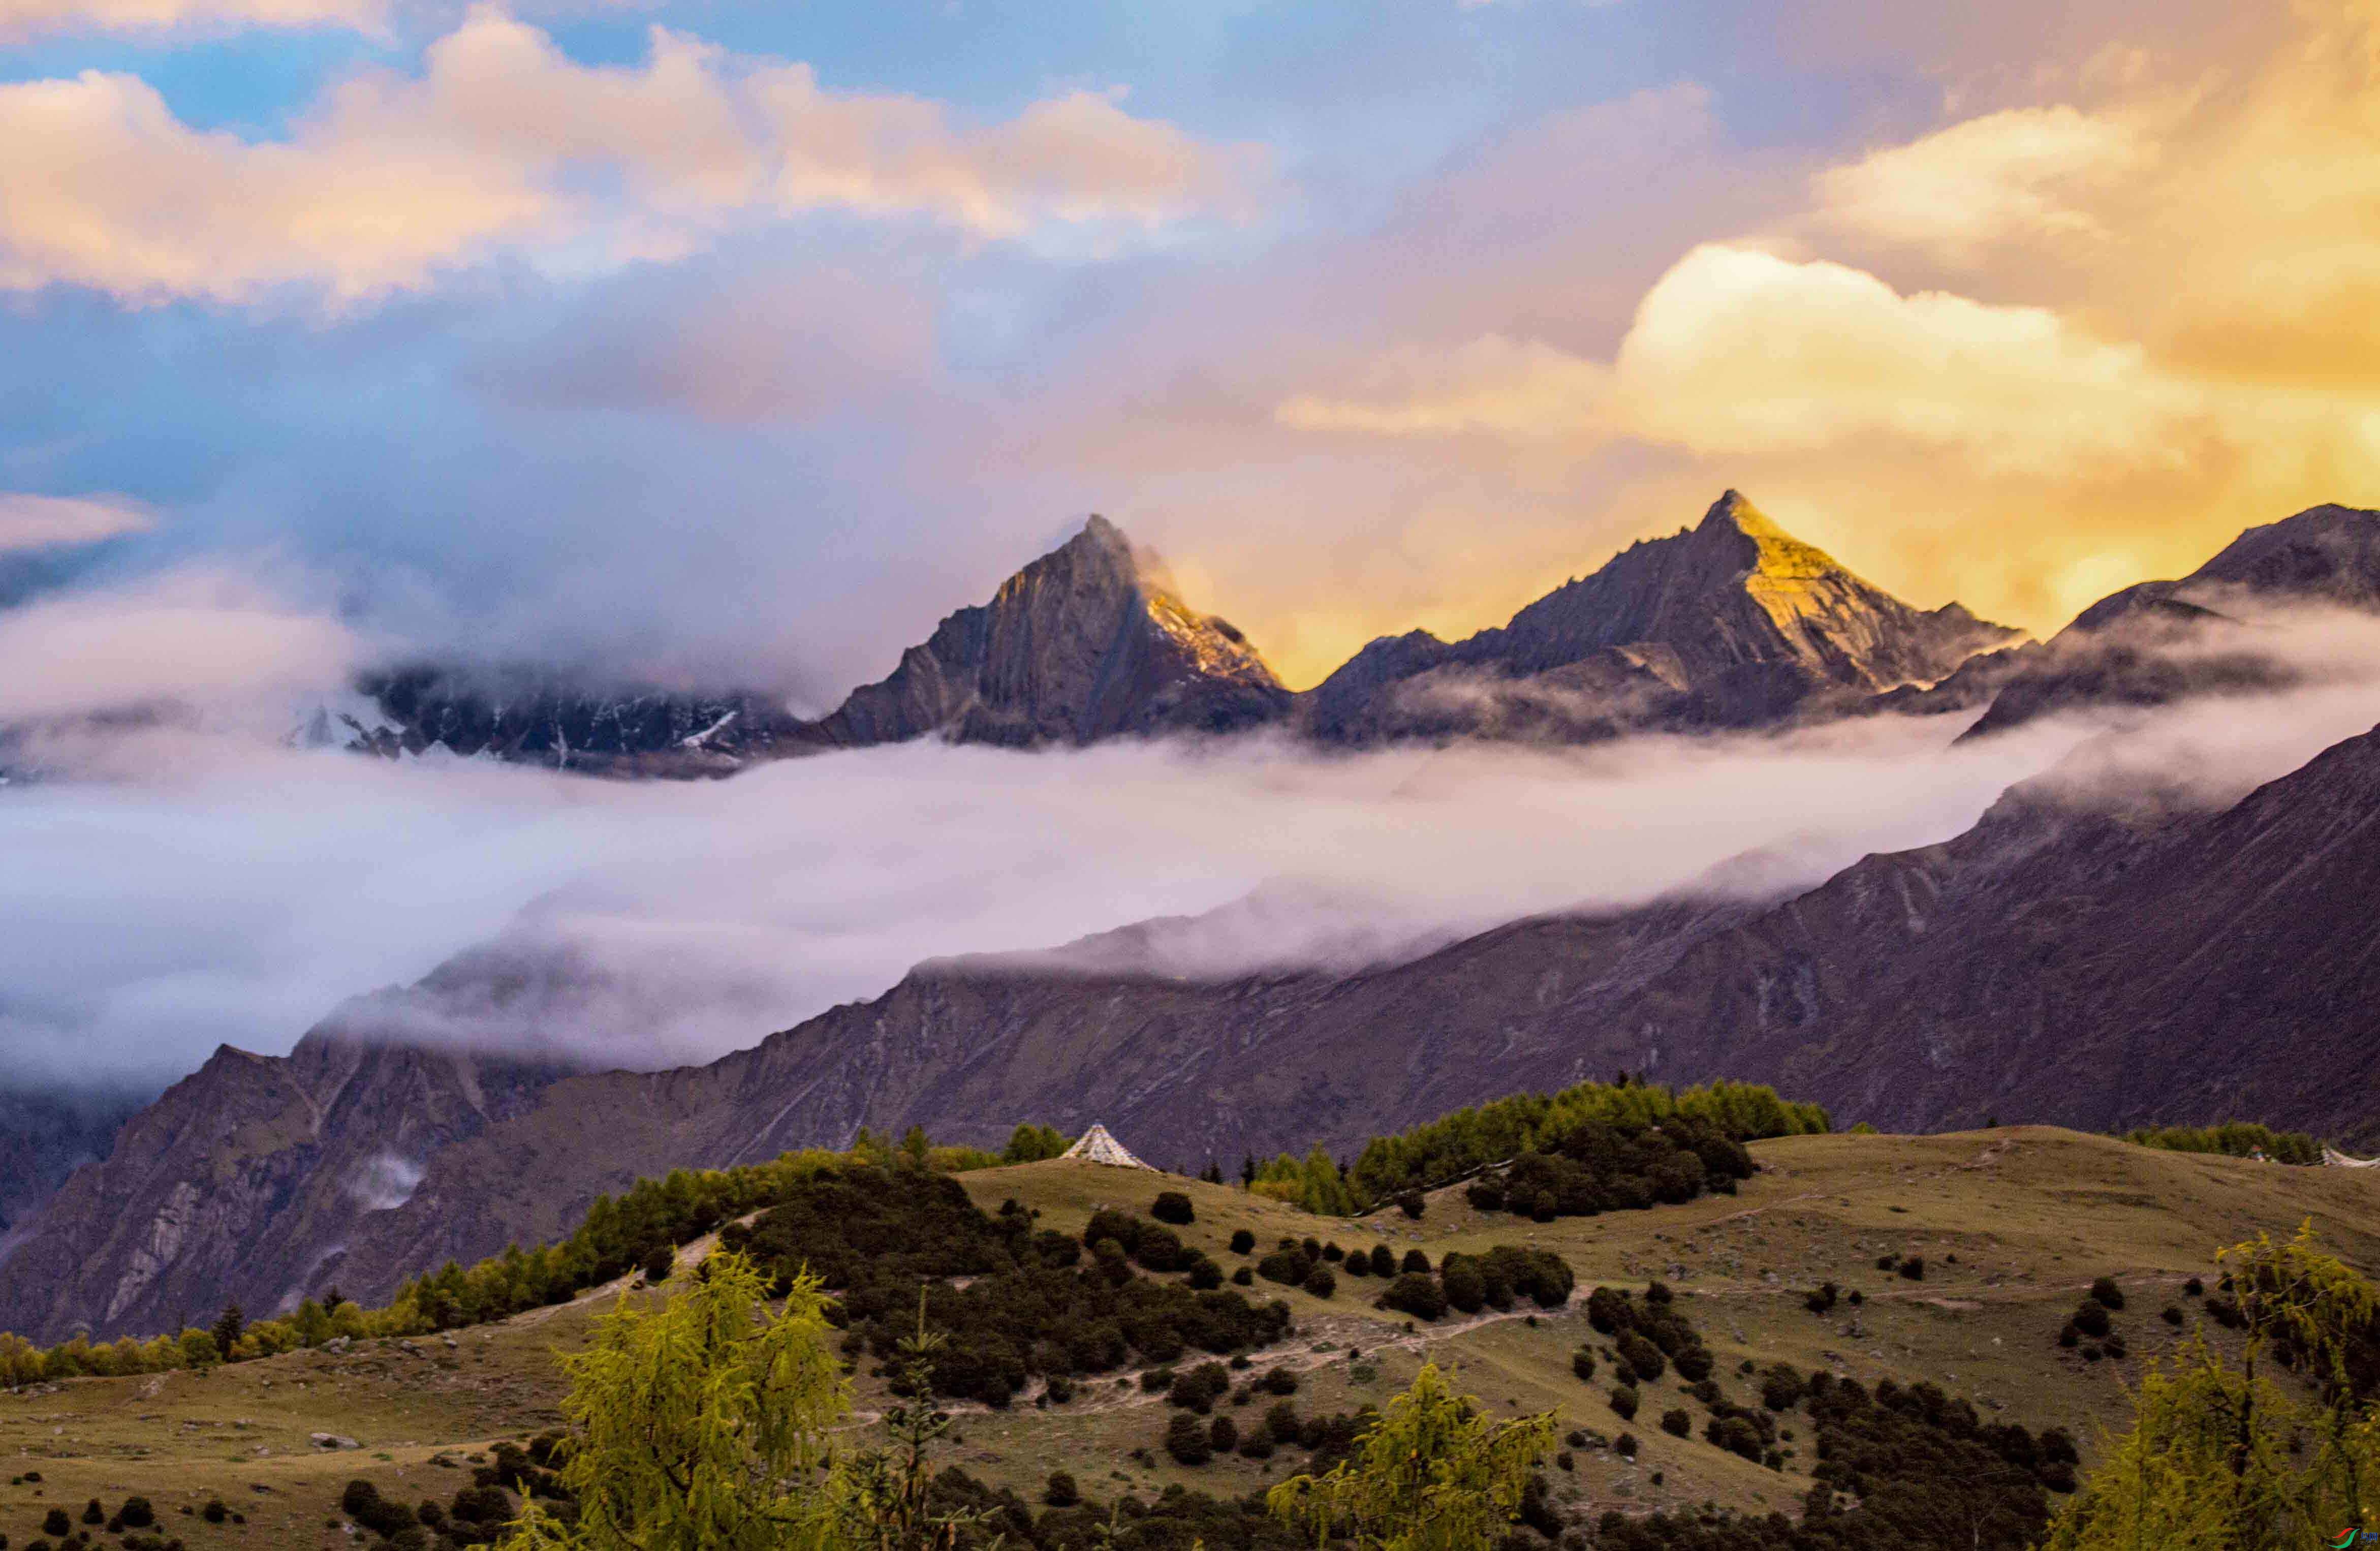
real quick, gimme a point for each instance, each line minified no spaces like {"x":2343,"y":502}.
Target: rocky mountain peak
{"x":1090,"y":641}
{"x":1732,"y":622}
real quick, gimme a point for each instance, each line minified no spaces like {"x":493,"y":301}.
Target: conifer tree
{"x":702,"y":1424}
{"x":1432,"y":1474}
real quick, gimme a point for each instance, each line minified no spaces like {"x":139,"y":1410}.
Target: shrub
{"x":1415,"y":1264}
{"x":1694,"y":1364}
{"x":1625,"y":1401}
{"x":1625,"y":1446}
{"x":1287,"y":1267}
{"x":136,"y":1513}
{"x":1466,"y":1290}
{"x":1416,"y":1294}
{"x":1187,"y":1440}
{"x":1320,"y":1282}
{"x":2193,"y":1288}
{"x":1581,"y":1362}
{"x":55,"y":1522}
{"x":1736,"y":1435}
{"x":1780,"y":1387}
{"x":2091,"y":1318}
{"x":94,"y":1514}
{"x":1822,"y":1302}
{"x":1358,"y":1264}
{"x":1677,"y":1423}
{"x":1281,"y":1423}
{"x":1333,"y":1254}
{"x":1642,"y":1357}
{"x":1199,"y":1388}
{"x":2068,"y":1336}
{"x":1410,"y":1203}
{"x":1172,"y":1206}
{"x":1886,"y":1262}
{"x":213,"y":1513}
{"x":362,"y":1502}
{"x":1913,"y":1268}
{"x":1278,"y":1381}
{"x":2171,"y":1315}
{"x":1244,"y":1278}
{"x":1384,"y":1261}
{"x":1060,"y":1491}
{"x":659,"y":1264}
{"x":2105,"y":1289}
{"x":1223,"y":1434}
{"x":1061,"y":1389}
{"x":1243,"y":1241}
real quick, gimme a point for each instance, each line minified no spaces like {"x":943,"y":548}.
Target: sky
{"x":732,"y":344}
{"x":740,"y":342}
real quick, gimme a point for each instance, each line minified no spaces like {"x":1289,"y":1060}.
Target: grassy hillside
{"x":2012,"y":1225}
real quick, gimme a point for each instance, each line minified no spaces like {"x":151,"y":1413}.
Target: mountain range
{"x":2063,"y":960}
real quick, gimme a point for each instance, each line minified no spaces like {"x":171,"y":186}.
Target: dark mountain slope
{"x":1731,"y":623}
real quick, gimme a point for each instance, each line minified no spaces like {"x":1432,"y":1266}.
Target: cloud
{"x":1738,"y":351}
{"x":24,"y":18}
{"x":193,"y":637}
{"x":219,"y":893}
{"x":2020,"y":174}
{"x":503,"y":145}
{"x":30,"y":521}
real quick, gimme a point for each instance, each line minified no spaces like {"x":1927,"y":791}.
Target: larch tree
{"x":1432,"y":1474}
{"x":701,"y":1425}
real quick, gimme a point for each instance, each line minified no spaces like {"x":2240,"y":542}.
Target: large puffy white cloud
{"x":1738,"y":351}
{"x":503,"y":144}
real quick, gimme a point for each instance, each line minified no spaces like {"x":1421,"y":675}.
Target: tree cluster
{"x":2237,"y":1139}
{"x":1596,"y":1166}
{"x":1446,"y":1150}
{"x":1467,"y":1283}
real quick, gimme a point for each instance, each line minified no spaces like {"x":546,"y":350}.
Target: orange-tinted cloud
{"x":496,"y":146}
{"x":2043,"y":350}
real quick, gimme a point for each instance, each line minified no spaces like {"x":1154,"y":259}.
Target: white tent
{"x":2340,"y":1160}
{"x":1097,"y":1146}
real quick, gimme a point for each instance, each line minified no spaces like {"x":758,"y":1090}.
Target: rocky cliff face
{"x":527,"y":715}
{"x":1731,"y":623}
{"x":246,"y":1178}
{"x":1089,"y":642}
{"x":44,"y":1137}
{"x":2159,"y":642}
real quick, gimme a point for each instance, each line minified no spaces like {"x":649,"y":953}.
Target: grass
{"x":2030,"y":1214}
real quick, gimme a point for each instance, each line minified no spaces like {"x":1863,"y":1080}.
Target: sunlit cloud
{"x":503,"y":144}
{"x":2022,"y":174}
{"x":1738,"y":351}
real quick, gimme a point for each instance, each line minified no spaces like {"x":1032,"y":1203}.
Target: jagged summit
{"x":1091,"y":641}
{"x":1732,"y":622}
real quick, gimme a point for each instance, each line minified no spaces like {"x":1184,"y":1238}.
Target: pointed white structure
{"x":2336,"y":1160}
{"x":1097,"y":1146}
